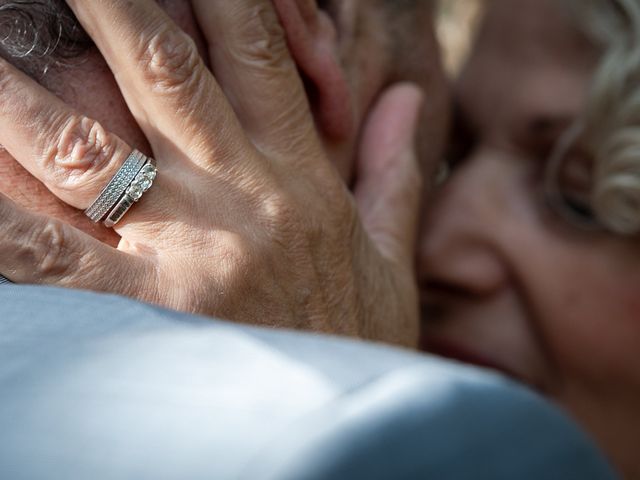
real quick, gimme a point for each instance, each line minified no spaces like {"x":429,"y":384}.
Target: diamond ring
{"x":116,"y":188}
{"x":142,"y":182}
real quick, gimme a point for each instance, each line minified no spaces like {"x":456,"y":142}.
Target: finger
{"x":251,"y":61}
{"x":39,"y":250}
{"x":73,"y":155}
{"x":165,"y":83}
{"x":389,"y":184}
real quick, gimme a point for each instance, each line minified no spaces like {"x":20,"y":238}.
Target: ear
{"x":313,"y":41}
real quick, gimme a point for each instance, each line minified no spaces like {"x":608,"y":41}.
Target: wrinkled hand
{"x":247,"y":219}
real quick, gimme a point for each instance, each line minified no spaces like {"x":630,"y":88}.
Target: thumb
{"x":389,"y":183}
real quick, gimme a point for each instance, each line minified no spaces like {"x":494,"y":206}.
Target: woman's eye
{"x":575,"y":183}
{"x":572,"y":186}
{"x":581,"y":209}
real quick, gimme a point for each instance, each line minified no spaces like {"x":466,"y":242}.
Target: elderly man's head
{"x":374,"y":43}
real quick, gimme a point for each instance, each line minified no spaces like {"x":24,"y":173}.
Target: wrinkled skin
{"x":358,"y":29}
{"x":248,"y":220}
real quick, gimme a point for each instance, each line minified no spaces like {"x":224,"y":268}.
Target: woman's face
{"x":505,"y":282}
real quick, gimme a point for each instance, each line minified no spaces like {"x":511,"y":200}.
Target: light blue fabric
{"x":4,"y":280}
{"x":99,"y":387}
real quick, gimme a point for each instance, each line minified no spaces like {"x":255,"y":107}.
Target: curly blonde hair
{"x":609,"y":128}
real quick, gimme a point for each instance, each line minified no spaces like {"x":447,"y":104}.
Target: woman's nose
{"x":461,"y":248}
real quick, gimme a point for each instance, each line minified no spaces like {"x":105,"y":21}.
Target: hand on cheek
{"x":251,"y":224}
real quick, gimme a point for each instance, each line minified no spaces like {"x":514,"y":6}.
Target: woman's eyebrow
{"x":544,"y":129}
{"x":545,"y":123}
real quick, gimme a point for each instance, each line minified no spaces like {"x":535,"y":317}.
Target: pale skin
{"x":248,"y":219}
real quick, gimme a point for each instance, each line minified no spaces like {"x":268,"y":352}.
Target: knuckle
{"x":238,"y":259}
{"x":281,"y":218}
{"x":171,"y":62}
{"x":308,"y":217}
{"x":262,"y":41}
{"x":238,"y":264}
{"x":80,"y":152}
{"x":49,"y":251}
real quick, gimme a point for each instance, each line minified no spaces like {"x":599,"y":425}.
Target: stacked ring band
{"x":116,"y":187}
{"x":139,"y":186}
{"x":133,"y":179}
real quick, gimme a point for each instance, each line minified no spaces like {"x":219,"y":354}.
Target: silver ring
{"x":4,"y":280}
{"x":134,"y":192}
{"x":116,"y":187}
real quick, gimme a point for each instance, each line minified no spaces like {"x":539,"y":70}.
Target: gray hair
{"x":38,"y":34}
{"x":609,"y":128}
